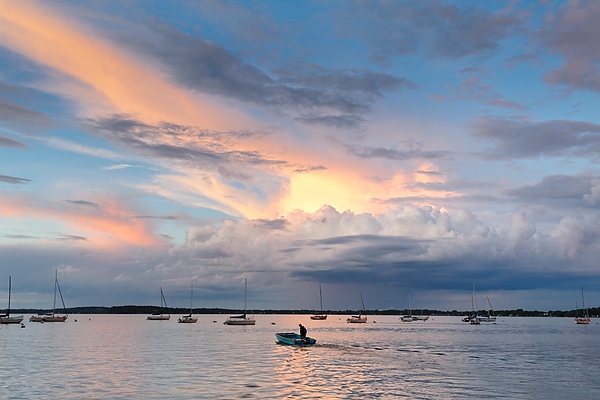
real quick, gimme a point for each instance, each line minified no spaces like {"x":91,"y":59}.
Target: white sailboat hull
{"x":239,"y":321}
{"x":187,"y":319}
{"x":357,"y":319}
{"x":158,"y":317}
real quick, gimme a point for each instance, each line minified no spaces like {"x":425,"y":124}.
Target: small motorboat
{"x":294,"y":339}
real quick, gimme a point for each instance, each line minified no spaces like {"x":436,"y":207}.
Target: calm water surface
{"x":127,"y":357}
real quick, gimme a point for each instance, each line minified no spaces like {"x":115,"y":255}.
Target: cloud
{"x":98,"y":75}
{"x":83,"y":203}
{"x":398,"y":155}
{"x":8,"y":142}
{"x":593,"y":197}
{"x":427,"y":246}
{"x":13,"y":180}
{"x":572,"y":32}
{"x":472,"y":87}
{"x":194,"y":147}
{"x":520,"y":138}
{"x":121,"y":166}
{"x":311,"y":93}
{"x":394,"y":29}
{"x":105,"y":223}
{"x":20,"y":117}
{"x":574,"y":189}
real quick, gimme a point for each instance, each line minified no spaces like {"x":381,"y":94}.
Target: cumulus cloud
{"x":593,"y":197}
{"x":427,"y":244}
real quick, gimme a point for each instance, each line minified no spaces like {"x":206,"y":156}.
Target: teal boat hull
{"x":294,"y":339}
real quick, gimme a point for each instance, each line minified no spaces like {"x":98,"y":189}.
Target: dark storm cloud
{"x":12,"y":179}
{"x":573,"y":33}
{"x":398,"y":28}
{"x":8,"y":142}
{"x":517,"y":138}
{"x":403,"y":261}
{"x":373,"y":258}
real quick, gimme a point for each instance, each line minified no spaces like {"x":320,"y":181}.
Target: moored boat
{"x":243,"y":319}
{"x":584,"y":319}
{"x":294,"y":339}
{"x":490,"y":317}
{"x":474,"y":318}
{"x":52,"y":317}
{"x":7,"y":318}
{"x":360,"y":318}
{"x":320,"y":316}
{"x":162,"y":314}
{"x":189,"y":319}
{"x":413,"y":318}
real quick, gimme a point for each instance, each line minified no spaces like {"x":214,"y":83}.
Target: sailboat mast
{"x":582,"y":302}
{"x":9,"y":288}
{"x":245,"y":295}
{"x":362,"y":302}
{"x":55,"y":283}
{"x":191,"y":297}
{"x":320,"y":295}
{"x":473,"y":300}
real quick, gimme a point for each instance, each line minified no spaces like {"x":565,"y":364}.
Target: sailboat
{"x":242,"y":319}
{"x":474,"y":320}
{"x":6,"y":318}
{"x":52,"y":317}
{"x":584,"y":319}
{"x":188,"y":319}
{"x":160,"y":315}
{"x":490,"y":317}
{"x":360,"y":318}
{"x":321,"y":316}
{"x":410,"y":317}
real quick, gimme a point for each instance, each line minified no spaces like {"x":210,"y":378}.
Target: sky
{"x":389,"y":149}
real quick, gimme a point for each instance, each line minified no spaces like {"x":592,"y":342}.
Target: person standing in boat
{"x":302,"y":331}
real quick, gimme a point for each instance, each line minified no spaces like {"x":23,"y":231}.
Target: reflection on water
{"x":127,"y":357}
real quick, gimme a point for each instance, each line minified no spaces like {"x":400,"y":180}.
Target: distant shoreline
{"x":130,"y":309}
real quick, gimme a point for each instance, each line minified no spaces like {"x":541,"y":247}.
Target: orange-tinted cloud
{"x":115,"y":80}
{"x":108,"y":226}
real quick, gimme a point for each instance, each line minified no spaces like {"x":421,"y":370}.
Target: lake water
{"x":127,"y":357}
